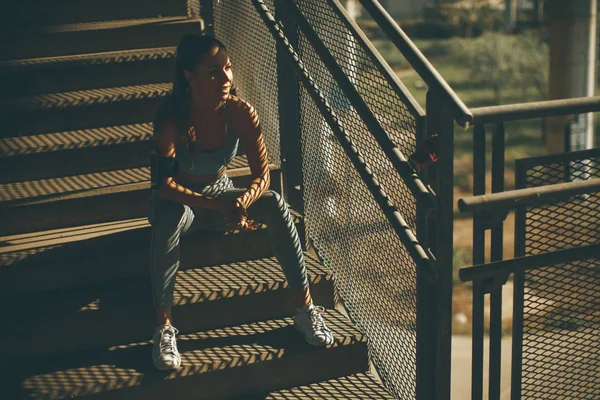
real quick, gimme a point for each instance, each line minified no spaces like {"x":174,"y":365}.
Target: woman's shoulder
{"x":242,"y":113}
{"x":239,"y":105}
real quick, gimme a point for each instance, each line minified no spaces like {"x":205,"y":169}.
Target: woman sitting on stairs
{"x":198,"y":129}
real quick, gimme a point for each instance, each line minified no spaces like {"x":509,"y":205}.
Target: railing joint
{"x":492,"y":219}
{"x":495,"y":283}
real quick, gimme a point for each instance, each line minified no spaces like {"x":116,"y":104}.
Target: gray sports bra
{"x":208,"y":162}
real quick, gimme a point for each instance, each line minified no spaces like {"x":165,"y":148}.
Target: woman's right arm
{"x":171,"y":190}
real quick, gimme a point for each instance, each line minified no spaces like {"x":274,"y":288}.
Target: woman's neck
{"x":202,"y":107}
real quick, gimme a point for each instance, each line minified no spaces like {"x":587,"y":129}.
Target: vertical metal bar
{"x":479,"y":175}
{"x":425,"y":332}
{"x":497,"y":185}
{"x":289,"y":115}
{"x":207,"y":14}
{"x":495,"y":343}
{"x":519,"y":289}
{"x":498,"y":140}
{"x":440,"y":122}
{"x":478,"y":189}
{"x":517,"y":334}
{"x":477,"y":344}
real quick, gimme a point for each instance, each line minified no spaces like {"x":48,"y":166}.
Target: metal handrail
{"x":529,"y":196}
{"x":399,"y":225}
{"x":519,"y":264}
{"x":391,"y":150}
{"x":539,"y":109}
{"x":419,"y":62}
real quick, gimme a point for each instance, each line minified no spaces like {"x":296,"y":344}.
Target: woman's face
{"x":212,"y":79}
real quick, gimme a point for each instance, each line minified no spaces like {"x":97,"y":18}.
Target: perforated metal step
{"x":234,"y":361}
{"x":94,"y":37}
{"x":224,"y":294}
{"x":86,"y":71}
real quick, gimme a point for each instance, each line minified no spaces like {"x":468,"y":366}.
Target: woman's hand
{"x":235,"y":215}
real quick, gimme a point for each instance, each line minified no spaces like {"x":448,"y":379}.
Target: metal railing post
{"x":425,"y":307}
{"x":518,"y":289}
{"x":440,"y":121}
{"x":206,"y":12}
{"x":289,"y":115}
{"x":498,"y":140}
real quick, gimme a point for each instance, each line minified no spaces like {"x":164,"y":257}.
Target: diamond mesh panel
{"x":252,"y":51}
{"x":389,"y":109}
{"x":561,"y":310}
{"x":374,"y":273}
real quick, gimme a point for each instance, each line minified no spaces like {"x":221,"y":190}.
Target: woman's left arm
{"x":256,"y":151}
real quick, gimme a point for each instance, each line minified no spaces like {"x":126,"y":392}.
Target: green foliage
{"x":446,"y":19}
{"x":506,"y":61}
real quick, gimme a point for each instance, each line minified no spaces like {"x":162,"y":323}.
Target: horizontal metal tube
{"x":401,"y":228}
{"x":485,"y":271}
{"x":530,"y":196}
{"x":398,"y":160}
{"x":539,"y":109}
{"x":417,"y":60}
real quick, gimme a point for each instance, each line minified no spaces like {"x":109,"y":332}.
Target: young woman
{"x":199,"y":127}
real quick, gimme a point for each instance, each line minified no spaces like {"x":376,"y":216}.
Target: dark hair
{"x":175,"y":108}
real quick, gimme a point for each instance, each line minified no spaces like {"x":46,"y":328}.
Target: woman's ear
{"x":189,"y":76}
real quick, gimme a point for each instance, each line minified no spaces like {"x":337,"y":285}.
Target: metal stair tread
{"x":59,"y":141}
{"x":362,"y":386}
{"x":202,"y":352}
{"x":61,"y":188}
{"x":192,"y":286}
{"x":100,"y":25}
{"x":240,"y":278}
{"x":82,"y":98}
{"x":16,"y":248}
{"x":111,"y":57}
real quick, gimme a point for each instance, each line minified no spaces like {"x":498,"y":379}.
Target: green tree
{"x":533,"y":63}
{"x":490,"y":59}
{"x":501,"y":61}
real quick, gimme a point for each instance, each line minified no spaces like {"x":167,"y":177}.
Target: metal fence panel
{"x":560,"y":345}
{"x":375,"y":275}
{"x":252,"y":51}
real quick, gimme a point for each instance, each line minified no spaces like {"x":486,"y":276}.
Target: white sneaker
{"x":309,"y":322}
{"x":164,"y":351}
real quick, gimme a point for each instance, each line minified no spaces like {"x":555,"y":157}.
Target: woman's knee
{"x":171,"y":217}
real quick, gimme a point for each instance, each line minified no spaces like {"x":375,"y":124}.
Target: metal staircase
{"x":82,"y":81}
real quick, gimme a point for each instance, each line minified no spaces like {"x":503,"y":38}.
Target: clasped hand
{"x":236,"y":216}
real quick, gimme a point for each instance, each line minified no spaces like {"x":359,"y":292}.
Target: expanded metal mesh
{"x":561,"y":310}
{"x":252,"y":52}
{"x":375,"y":275}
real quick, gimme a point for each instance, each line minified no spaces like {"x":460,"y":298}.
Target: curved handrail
{"x":418,"y":61}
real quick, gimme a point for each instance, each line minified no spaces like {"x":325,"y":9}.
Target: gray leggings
{"x":171,"y":220}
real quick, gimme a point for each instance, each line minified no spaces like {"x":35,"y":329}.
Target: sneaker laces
{"x":316,"y":318}
{"x":167,"y":340}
